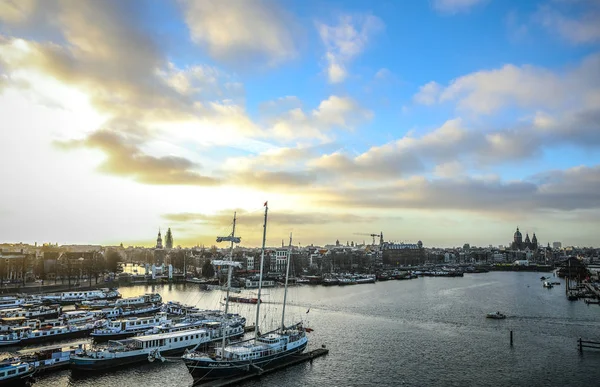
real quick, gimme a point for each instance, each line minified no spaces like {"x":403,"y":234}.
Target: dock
{"x":293,"y":360}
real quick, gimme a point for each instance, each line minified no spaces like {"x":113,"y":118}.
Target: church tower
{"x":159,"y":241}
{"x":534,"y":242}
{"x":517,"y":240}
{"x":169,"y":239}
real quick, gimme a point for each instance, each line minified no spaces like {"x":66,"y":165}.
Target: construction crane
{"x":380,"y":235}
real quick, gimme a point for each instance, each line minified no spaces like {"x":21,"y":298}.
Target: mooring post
{"x":511,"y":338}
{"x":580,"y":345}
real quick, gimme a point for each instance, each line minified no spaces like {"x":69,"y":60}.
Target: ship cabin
{"x":89,"y":294}
{"x":10,"y":323}
{"x":11,"y":371}
{"x":134,"y":323}
{"x":10,"y":302}
{"x":169,"y":340}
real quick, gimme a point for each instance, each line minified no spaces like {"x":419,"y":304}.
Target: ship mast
{"x":287,"y":274}
{"x":262,"y":260}
{"x":230,"y":265}
{"x":229,"y":270}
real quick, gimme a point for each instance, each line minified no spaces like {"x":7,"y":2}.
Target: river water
{"x":420,"y":332}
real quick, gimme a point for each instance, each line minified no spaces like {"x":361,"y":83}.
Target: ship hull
{"x":62,"y":336}
{"x":88,"y":364}
{"x":208,"y":370}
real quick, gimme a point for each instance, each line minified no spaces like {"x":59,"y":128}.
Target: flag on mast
{"x":265,"y":204}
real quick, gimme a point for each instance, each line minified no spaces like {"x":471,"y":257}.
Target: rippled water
{"x":422,"y":332}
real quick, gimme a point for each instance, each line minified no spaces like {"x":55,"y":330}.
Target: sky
{"x":445,"y":121}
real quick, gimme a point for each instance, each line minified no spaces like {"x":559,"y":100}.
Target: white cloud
{"x":455,"y":6}
{"x":526,"y":86}
{"x":428,"y":93}
{"x":333,"y":113}
{"x":577,"y":29}
{"x":345,"y":41}
{"x":240,"y":29}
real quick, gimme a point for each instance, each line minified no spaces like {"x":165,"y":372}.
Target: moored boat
{"x":14,"y":372}
{"x":9,"y":302}
{"x":33,"y":311}
{"x":139,"y":349}
{"x":243,"y":300}
{"x":118,"y":329}
{"x":47,"y":359}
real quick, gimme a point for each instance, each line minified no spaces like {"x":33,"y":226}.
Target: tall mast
{"x":262,"y":260}
{"x":229,"y":270}
{"x":287,"y":273}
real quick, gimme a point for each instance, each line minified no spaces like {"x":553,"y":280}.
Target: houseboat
{"x":15,"y":372}
{"x":9,"y":302}
{"x":30,"y":311}
{"x":119,"y":329}
{"x":138,"y":349}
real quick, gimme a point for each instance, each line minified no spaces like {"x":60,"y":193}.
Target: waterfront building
{"x":278,"y":261}
{"x":250,"y":262}
{"x":403,"y":254}
{"x":556,"y":245}
{"x":16,"y":266}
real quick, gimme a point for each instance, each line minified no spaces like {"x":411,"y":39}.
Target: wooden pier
{"x":587,"y":344}
{"x":293,"y":360}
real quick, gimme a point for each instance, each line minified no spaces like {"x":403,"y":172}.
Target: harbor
{"x":545,"y":323}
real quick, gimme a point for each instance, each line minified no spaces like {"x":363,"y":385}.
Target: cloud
{"x":239,"y":30}
{"x":16,"y":11}
{"x":284,"y":157}
{"x":526,"y":86}
{"x":202,"y":82}
{"x":455,"y":6}
{"x":568,"y":190}
{"x":428,"y":93}
{"x":124,"y":158}
{"x":333,"y":113}
{"x":345,"y":41}
{"x":245,"y":218}
{"x":454,"y":146}
{"x":383,"y":74}
{"x":579,"y":27}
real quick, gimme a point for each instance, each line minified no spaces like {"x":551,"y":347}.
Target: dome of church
{"x":518,"y":234}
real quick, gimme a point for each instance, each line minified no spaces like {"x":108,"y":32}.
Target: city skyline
{"x":446,"y":121}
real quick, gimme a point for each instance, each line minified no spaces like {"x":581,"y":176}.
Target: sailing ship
{"x":255,"y":354}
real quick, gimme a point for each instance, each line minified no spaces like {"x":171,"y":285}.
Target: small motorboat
{"x":547,"y":284}
{"x":497,"y":315}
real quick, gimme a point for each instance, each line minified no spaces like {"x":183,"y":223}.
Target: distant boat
{"x":243,"y":300}
{"x":496,"y":315}
{"x":548,"y":285}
